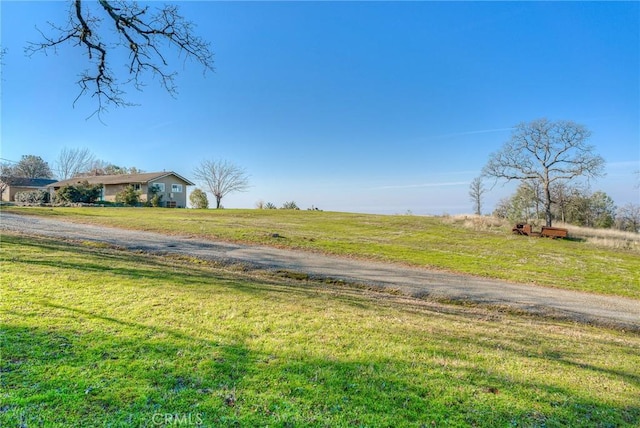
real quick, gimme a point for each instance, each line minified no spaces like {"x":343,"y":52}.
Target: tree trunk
{"x":218,"y":199}
{"x":547,"y":203}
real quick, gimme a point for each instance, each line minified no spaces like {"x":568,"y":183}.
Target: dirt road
{"x":578,"y":306}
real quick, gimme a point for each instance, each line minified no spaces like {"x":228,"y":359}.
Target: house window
{"x":176,"y":188}
{"x":136,"y":186}
{"x":159,"y":187}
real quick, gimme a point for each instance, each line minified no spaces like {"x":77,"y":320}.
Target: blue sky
{"x":381,"y":107}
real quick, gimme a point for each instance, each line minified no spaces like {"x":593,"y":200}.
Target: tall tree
{"x":476,"y":191}
{"x":546,"y":152}
{"x":563,"y":195}
{"x":32,"y":166}
{"x":602,"y":210}
{"x":111,"y":29}
{"x":221,"y":177}
{"x":71,"y":162}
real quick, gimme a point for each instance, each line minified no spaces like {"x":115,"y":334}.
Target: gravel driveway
{"x":578,"y":306}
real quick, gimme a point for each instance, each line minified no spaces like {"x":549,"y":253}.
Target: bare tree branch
{"x":71,"y":162}
{"x":546,"y":152}
{"x":221,"y":178}
{"x":145,"y":35}
{"x":476,"y":190}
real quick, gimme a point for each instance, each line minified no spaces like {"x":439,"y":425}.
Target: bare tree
{"x":476,"y":190}
{"x":628,"y":218}
{"x":546,"y":152}
{"x":31,"y":166}
{"x":143,"y":35}
{"x":7,"y":175}
{"x":72,"y":162}
{"x":221,"y":177}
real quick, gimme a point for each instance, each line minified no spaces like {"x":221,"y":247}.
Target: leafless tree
{"x":72,"y":162}
{"x":476,"y":190}
{"x":144,"y":34}
{"x":546,"y":152}
{"x":628,"y":217}
{"x":221,"y":177}
{"x":7,"y":175}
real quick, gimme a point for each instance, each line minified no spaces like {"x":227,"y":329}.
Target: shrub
{"x":270,"y":206}
{"x":290,"y":206}
{"x":128,"y":196}
{"x":156,"y":197}
{"x":199,"y":199}
{"x":33,"y":197}
{"x":79,"y":193}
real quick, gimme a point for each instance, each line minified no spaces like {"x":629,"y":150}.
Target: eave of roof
{"x":120,"y":179}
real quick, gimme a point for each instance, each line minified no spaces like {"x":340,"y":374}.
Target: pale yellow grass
{"x":610,"y":238}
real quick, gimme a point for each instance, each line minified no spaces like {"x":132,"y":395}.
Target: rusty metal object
{"x":546,"y":232}
{"x":554,"y":232}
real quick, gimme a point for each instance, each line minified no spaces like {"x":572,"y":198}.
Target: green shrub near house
{"x":79,"y":193}
{"x":128,"y":196}
{"x":32,"y":197}
{"x":199,"y":199}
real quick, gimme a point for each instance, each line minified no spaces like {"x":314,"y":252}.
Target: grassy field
{"x":93,"y":336}
{"x":473,"y":246}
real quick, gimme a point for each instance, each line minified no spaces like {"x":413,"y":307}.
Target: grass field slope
{"x":94,"y":337}
{"x":479,"y":246}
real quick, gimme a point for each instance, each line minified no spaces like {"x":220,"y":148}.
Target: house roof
{"x":28,"y":182}
{"x":121,"y":179}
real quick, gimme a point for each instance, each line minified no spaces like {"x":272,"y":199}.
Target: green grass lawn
{"x":94,"y":336}
{"x":428,"y":242}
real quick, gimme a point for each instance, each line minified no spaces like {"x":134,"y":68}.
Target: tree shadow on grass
{"x":158,"y":271}
{"x":54,"y":376}
{"x":57,"y":373}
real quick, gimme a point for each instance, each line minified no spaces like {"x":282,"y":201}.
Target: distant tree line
{"x":70,"y":163}
{"x":572,"y":205}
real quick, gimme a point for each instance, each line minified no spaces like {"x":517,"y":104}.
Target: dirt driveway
{"x":578,"y":306}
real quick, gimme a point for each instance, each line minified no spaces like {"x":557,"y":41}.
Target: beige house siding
{"x":9,"y":192}
{"x":180,"y":198}
{"x":109,"y":191}
{"x":169,"y":195}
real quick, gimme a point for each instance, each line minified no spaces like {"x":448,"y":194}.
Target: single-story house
{"x":9,"y":186}
{"x":170,"y":185}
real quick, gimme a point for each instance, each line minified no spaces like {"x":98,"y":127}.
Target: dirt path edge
{"x":610,"y":311}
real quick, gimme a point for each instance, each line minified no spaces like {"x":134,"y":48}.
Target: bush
{"x":33,"y":197}
{"x":156,"y":197}
{"x":290,"y":206}
{"x":128,"y":196}
{"x":79,"y":193}
{"x":270,"y":206}
{"x":199,"y":199}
